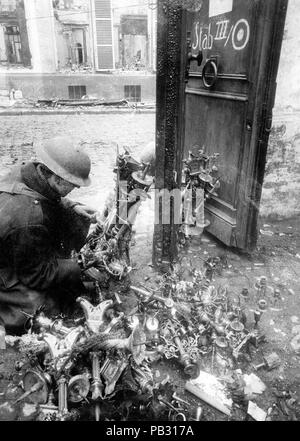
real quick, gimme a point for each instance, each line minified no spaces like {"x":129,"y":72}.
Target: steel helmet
{"x":66,"y":159}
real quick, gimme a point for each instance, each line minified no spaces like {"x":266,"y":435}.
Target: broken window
{"x":70,"y":4}
{"x":73,"y":49}
{"x":78,"y":46}
{"x":79,"y":53}
{"x":10,"y":44}
{"x":13,"y":44}
{"x":133,"y":42}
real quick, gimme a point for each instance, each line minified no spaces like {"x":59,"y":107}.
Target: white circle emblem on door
{"x":240,"y":34}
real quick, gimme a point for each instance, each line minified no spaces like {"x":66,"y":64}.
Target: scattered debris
{"x":278,"y":331}
{"x":29,"y":411}
{"x":80,"y":102}
{"x":256,"y":412}
{"x":296,"y":329}
{"x":295,"y":343}
{"x":81,"y":364}
{"x":266,"y":232}
{"x":205,"y":240}
{"x":271,"y":361}
{"x":198,"y":413}
{"x":210,"y":390}
{"x":2,"y":338}
{"x":100,"y":363}
{"x":253,"y":386}
{"x":7,"y":412}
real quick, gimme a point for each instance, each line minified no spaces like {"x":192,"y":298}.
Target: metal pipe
{"x":62,"y":396}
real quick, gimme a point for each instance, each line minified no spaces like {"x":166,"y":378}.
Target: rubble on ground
{"x":104,"y":363}
{"x":101,"y":364}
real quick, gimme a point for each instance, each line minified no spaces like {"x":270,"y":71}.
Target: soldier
{"x":39,"y":228}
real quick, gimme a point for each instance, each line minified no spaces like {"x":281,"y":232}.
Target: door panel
{"x":233,"y":116}
{"x":202,"y":132}
{"x":228,"y":35}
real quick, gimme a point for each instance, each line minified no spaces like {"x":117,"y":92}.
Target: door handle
{"x":210,"y":72}
{"x":191,"y":57}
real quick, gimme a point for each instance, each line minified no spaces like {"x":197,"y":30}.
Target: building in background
{"x":125,"y":34}
{"x":89,"y":35}
{"x":58,"y":48}
{"x":73,"y":34}
{"x":45,"y":35}
{"x":14,"y":45}
{"x":134,"y":27}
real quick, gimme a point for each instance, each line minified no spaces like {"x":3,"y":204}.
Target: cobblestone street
{"x":98,"y":133}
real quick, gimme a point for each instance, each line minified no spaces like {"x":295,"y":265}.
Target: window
{"x":76,"y":92}
{"x":13,"y":44}
{"x":132,"y":93}
{"x":79,"y":53}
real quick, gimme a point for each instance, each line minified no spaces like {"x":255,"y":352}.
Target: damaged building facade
{"x":73,"y":35}
{"x":134,"y":30}
{"x":43,"y":42}
{"x":28,"y":27}
{"x":14,"y":46}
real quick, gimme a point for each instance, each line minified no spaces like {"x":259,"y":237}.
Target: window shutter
{"x":104,"y":36}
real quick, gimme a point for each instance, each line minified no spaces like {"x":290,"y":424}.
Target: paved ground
{"x":98,"y":133}
{"x":276,"y":257}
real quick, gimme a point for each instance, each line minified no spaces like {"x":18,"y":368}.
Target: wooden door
{"x":226,"y":103}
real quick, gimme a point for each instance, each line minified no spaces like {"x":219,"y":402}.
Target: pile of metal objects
{"x":78,"y":367}
{"x":194,"y":318}
{"x":100,"y":365}
{"x":106,"y":252}
{"x":199,"y":183}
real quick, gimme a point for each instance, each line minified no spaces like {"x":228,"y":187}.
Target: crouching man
{"x":39,"y":228}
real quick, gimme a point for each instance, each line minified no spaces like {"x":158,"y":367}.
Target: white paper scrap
{"x":217,"y":7}
{"x":256,"y":412}
{"x":209,"y":389}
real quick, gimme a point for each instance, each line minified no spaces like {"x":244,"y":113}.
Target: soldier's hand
{"x":86,"y":211}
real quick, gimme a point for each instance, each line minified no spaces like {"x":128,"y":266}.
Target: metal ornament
{"x":35,"y":386}
{"x":94,"y":314}
{"x":78,"y":388}
{"x":97,"y":386}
